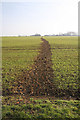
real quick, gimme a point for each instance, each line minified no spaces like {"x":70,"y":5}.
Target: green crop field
{"x":65,"y":61}
{"x":18,"y":55}
{"x":42,"y":109}
{"x":18,"y":52}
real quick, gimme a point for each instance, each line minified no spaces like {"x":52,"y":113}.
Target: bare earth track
{"x":39,"y":79}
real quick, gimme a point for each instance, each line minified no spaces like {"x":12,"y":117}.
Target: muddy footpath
{"x":39,"y":79}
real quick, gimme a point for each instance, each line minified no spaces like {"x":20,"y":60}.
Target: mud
{"x":39,"y":79}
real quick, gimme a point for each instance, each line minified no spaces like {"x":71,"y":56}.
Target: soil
{"x":39,"y":79}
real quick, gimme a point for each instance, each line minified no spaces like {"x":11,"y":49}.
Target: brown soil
{"x":39,"y":79}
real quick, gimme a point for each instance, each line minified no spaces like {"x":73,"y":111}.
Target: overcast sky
{"x":27,"y":17}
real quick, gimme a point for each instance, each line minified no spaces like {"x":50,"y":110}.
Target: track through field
{"x":39,"y":79}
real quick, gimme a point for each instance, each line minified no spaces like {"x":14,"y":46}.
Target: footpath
{"x":39,"y":79}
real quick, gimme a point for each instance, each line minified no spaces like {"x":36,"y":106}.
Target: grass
{"x":18,"y":53}
{"x":65,"y":61}
{"x":43,"y":108}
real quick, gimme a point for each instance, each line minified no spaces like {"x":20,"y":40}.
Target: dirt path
{"x":39,"y":79}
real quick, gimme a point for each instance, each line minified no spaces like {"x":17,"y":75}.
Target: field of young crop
{"x":65,"y":61}
{"x":18,"y":55}
{"x":41,"y":108}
